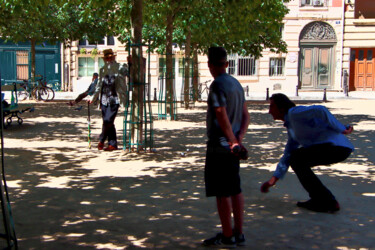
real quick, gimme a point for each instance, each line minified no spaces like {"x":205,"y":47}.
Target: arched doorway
{"x":317,"y":43}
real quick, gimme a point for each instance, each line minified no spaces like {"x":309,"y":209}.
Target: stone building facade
{"x":359,"y":44}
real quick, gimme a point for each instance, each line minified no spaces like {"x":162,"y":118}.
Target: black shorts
{"x":222,"y":173}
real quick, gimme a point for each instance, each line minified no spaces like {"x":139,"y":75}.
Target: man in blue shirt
{"x":315,"y":137}
{"x":90,"y":90}
{"x":227,"y":123}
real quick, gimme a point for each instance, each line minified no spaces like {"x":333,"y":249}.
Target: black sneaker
{"x":329,"y":207}
{"x":220,"y":241}
{"x":240,"y":240}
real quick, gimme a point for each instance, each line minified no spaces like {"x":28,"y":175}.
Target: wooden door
{"x":316,"y":67}
{"x":307,"y":78}
{"x":324,"y":67}
{"x":364,"y":69}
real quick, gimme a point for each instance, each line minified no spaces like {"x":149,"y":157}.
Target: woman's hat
{"x":108,"y":53}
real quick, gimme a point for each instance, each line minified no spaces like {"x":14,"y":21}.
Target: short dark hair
{"x":282,"y":102}
{"x":217,"y":56}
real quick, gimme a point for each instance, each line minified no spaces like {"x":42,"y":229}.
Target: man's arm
{"x":334,"y":123}
{"x":226,"y":127}
{"x":282,"y":166}
{"x":323,"y":113}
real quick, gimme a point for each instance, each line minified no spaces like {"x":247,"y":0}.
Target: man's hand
{"x":233,"y":145}
{"x":348,"y":131}
{"x":266,"y":186}
{"x":239,"y":151}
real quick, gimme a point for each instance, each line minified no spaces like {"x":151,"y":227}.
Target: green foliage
{"x":119,"y":22}
{"x":241,"y":26}
{"x":54,"y":20}
{"x":82,"y":51}
{"x":94,"y":52}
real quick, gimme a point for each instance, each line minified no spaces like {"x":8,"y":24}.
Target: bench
{"x":14,"y":109}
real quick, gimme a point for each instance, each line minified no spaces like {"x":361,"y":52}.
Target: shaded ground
{"x":66,"y":196}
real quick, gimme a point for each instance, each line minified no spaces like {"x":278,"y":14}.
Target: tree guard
{"x":187,"y":90}
{"x":138,"y":132}
{"x":167,"y":104}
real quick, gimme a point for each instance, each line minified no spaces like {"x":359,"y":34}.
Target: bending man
{"x":315,"y":137}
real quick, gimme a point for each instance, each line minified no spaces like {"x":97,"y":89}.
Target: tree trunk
{"x":66,"y":60}
{"x":68,"y":81}
{"x":170,"y":74}
{"x":195,"y":72}
{"x":137,"y":77}
{"x":187,"y":69}
{"x":33,"y":42}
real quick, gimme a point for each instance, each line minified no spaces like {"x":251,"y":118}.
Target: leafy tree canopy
{"x":54,"y":20}
{"x":241,"y":26}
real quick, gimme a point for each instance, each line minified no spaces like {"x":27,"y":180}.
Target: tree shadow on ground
{"x":58,"y":204}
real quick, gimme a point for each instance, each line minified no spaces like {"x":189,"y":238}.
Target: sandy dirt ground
{"x":67,"y":196}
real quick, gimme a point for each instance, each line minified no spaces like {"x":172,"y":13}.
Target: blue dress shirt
{"x":307,"y":126}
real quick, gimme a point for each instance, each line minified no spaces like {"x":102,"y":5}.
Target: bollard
{"x":268,"y":94}
{"x":247,"y":90}
{"x":346,"y":85}
{"x":297,"y":90}
{"x":155,"y":95}
{"x":325,"y":95}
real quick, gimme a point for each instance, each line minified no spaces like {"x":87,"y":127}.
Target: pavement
{"x":258,"y":96}
{"x":65,"y":195}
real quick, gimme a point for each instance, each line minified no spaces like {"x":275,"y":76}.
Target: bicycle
{"x":202,"y":86}
{"x":38,"y":92}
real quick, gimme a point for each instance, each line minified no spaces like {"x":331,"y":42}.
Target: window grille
{"x":86,"y":66}
{"x":241,"y":65}
{"x":181,"y":67}
{"x":313,"y":2}
{"x":162,"y":66}
{"x":100,"y":62}
{"x":110,"y":40}
{"x":106,"y":41}
{"x":277,"y":66}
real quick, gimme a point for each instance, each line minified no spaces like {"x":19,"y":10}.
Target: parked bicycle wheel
{"x":22,"y":94}
{"x":43,"y":93}
{"x":51,"y":94}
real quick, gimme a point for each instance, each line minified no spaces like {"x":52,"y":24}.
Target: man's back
{"x":225,"y":91}
{"x":310,"y":125}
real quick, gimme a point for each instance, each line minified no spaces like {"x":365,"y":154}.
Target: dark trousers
{"x":81,"y":96}
{"x":303,"y":159}
{"x":108,"y":130}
